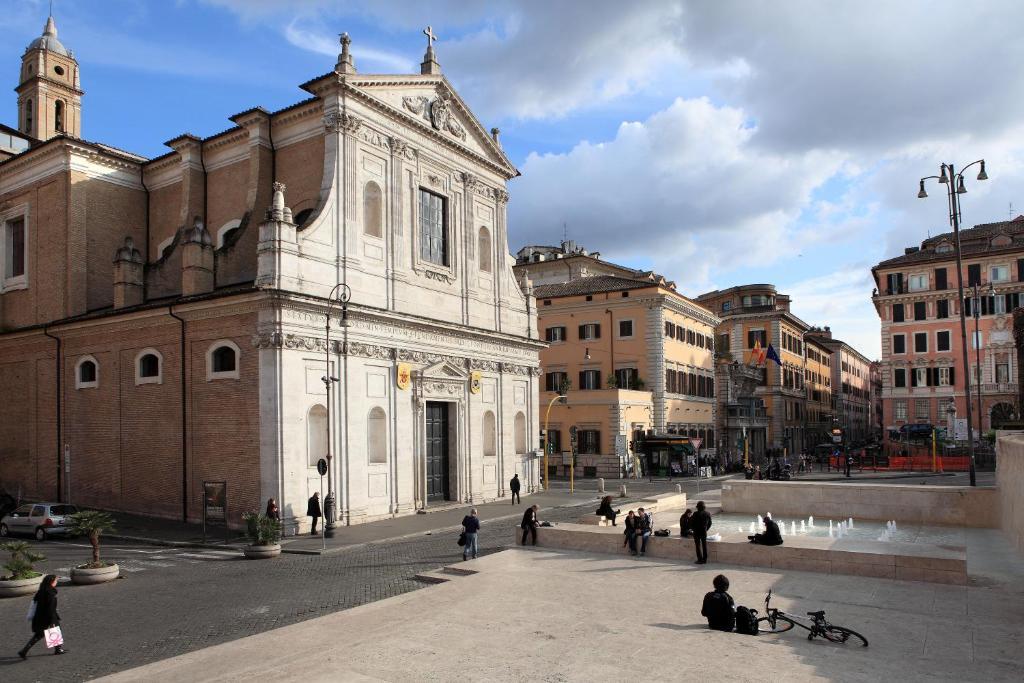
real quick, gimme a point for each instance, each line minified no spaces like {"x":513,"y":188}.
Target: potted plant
{"x":264,"y":534}
{"x":92,"y":523}
{"x":22,"y":577}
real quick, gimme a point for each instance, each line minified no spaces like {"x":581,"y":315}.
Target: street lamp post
{"x":547,"y":435}
{"x":341,"y":294}
{"x":955,"y":187}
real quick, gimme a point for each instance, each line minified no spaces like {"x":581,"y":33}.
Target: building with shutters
{"x":922,"y":371}
{"x":851,"y":391}
{"x":164,"y":322}
{"x":631,"y":353}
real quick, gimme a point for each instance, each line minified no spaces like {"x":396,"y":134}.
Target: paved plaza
{"x":558,"y":616}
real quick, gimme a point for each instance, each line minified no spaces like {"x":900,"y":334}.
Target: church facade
{"x":331,"y":280}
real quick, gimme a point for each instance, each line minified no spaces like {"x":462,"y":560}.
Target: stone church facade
{"x":164,"y":322}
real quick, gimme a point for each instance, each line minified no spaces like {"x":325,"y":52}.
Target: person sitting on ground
{"x":630,"y":531}
{"x":686,"y":524}
{"x":771,"y":535}
{"x":606,"y":509}
{"x":719,"y":607}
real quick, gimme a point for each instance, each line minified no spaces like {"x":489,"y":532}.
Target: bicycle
{"x":778,"y":621}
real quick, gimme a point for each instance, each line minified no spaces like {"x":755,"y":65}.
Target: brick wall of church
{"x":44,"y":299}
{"x":300,"y":166}
{"x":228,"y":188}
{"x":164,"y":216}
{"x":125,"y":439}
{"x":28,"y":456}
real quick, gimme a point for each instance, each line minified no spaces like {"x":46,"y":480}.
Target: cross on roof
{"x":429,"y":33}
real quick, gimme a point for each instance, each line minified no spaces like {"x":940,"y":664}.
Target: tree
{"x":22,"y":560}
{"x":92,"y":523}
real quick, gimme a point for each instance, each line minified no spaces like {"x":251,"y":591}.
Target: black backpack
{"x":746,"y":621}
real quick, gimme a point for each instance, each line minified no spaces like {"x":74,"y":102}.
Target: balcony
{"x":999,"y":388}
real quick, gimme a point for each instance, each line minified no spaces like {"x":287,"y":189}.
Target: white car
{"x":39,"y":520}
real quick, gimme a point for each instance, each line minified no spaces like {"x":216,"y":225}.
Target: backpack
{"x":746,"y":621}
{"x":661,"y":532}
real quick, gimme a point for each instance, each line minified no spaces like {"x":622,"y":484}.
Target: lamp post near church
{"x":341,"y":294}
{"x":954,"y":182}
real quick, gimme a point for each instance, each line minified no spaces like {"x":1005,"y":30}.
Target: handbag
{"x":462,"y":538}
{"x":53,"y":636}
{"x":31,"y":610}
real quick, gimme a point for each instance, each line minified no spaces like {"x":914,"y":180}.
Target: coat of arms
{"x":404,"y":376}
{"x":438,"y":112}
{"x":474,"y":382}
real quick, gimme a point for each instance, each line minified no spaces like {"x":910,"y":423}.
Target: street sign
{"x":696,"y":443}
{"x":321,"y":466}
{"x":837,"y":438}
{"x":215,"y":505}
{"x":620,"y":445}
{"x":960,"y":429}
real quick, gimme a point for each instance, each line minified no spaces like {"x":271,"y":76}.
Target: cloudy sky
{"x":718,"y":142}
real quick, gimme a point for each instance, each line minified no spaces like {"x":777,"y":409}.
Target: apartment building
{"x":922,"y":370}
{"x":631,"y":354}
{"x":851,"y":387}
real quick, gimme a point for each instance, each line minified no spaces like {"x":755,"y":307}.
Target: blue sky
{"x":719,"y":143}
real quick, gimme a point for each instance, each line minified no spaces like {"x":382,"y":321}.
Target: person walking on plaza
{"x":514,"y":488}
{"x":272,"y":510}
{"x":630,"y":531}
{"x":644,"y":524}
{"x":313,"y":510}
{"x":849,"y":461}
{"x":605,"y":510}
{"x":45,"y":615}
{"x":700,"y":524}
{"x":529,"y":524}
{"x":471,"y":525}
{"x":719,"y":607}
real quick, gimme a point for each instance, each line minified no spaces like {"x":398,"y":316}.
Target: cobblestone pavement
{"x":173,"y":601}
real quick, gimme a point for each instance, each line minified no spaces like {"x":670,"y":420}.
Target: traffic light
{"x":543,"y":441}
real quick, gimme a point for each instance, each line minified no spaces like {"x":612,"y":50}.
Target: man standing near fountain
{"x":699,"y":524}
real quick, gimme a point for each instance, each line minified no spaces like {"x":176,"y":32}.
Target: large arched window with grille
{"x":58,"y":116}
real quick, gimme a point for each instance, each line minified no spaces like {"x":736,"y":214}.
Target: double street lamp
{"x":954,"y":182}
{"x":339,"y":296}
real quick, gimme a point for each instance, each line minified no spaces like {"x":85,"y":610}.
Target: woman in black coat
{"x":45,"y":615}
{"x":606,"y":509}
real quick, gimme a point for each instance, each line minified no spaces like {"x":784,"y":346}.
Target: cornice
{"x":682,"y":306}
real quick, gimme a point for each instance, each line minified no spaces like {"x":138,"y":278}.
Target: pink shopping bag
{"x":53,"y":637}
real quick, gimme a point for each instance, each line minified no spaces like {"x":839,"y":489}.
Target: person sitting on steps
{"x":606,"y":509}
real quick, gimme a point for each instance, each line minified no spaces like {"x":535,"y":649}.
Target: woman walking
{"x":45,"y":615}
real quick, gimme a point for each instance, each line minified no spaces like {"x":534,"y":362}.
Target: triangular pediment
{"x":444,"y":370}
{"x":431,"y":102}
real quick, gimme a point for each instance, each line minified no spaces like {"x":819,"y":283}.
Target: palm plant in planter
{"x":22,"y":578}
{"x":264,"y":535}
{"x":91,"y":524}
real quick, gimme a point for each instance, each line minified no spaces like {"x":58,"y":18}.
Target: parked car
{"x":39,"y":520}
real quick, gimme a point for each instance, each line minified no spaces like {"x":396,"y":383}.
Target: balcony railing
{"x":999,"y":388}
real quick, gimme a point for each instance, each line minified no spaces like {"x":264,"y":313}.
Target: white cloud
{"x":841,"y":300}
{"x":388,"y":62}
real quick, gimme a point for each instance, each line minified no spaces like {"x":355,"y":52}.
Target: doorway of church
{"x":437,"y":451}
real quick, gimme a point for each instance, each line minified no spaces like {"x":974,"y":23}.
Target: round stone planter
{"x":19,"y":587}
{"x":262,"y":552}
{"x":87,"y":577}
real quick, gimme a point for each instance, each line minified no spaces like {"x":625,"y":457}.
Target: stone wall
{"x":1010,"y":476}
{"x":944,"y":505}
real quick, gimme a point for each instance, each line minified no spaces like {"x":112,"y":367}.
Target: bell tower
{"x":49,"y":89}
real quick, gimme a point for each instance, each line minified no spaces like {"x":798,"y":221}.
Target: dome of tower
{"x":48,"y":41}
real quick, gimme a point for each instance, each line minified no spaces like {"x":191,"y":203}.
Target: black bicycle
{"x":778,"y":621}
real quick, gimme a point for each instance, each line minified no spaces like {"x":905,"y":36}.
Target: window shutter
{"x":583,"y":375}
{"x":974,"y":274}
{"x":1020,"y":270}
{"x":940,"y":278}
{"x":547,"y":334}
{"x":952,"y":377}
{"x":582,"y":332}
{"x":897,"y":313}
{"x":913,"y":377}
{"x":597,"y":331}
{"x":967,"y":306}
{"x":750,"y":339}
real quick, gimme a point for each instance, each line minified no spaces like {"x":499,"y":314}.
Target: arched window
{"x":520,"y":431}
{"x":87,"y":373}
{"x":484,"y":244}
{"x":28,"y":116}
{"x":377,"y":436}
{"x":490,"y":434}
{"x":316,"y":434}
{"x":58,"y":116}
{"x":302,"y":217}
{"x":227,"y":231}
{"x":222,"y":360}
{"x":373,"y":210}
{"x":149,"y":367}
